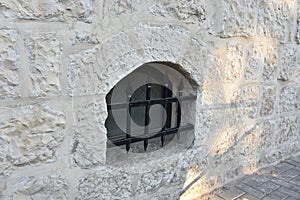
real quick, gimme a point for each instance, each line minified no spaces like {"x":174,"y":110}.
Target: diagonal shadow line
{"x":204,"y":172}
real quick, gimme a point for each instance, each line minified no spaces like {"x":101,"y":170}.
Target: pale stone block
{"x":9,"y":67}
{"x":45,"y":52}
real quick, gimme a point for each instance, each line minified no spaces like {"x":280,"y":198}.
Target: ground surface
{"x":281,"y":181}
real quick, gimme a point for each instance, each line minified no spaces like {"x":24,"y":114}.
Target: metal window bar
{"x":167,"y":101}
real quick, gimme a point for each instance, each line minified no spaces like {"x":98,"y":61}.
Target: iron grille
{"x":166,"y":101}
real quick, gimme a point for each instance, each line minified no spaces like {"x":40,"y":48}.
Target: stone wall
{"x":59,"y":59}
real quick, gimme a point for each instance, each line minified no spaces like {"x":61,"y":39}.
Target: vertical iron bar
{"x":180,"y":92}
{"x":166,"y":112}
{"x":147,"y":119}
{"x":128,"y":117}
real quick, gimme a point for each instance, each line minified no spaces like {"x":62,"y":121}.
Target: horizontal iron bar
{"x":150,"y":102}
{"x":166,"y":132}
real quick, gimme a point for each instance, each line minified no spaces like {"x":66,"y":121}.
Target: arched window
{"x":145,"y":108}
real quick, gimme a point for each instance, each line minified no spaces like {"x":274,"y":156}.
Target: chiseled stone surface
{"x":188,"y":11}
{"x":9,"y":76}
{"x":60,"y":58}
{"x":45,"y":52}
{"x":106,"y":184}
{"x":44,"y":10}
{"x":29,"y":134}
{"x":53,"y":186}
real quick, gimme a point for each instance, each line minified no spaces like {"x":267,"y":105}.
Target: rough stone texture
{"x":287,"y":98}
{"x":45,"y":52}
{"x":87,"y":149}
{"x":268,"y":101}
{"x":80,"y":73}
{"x":270,"y":63}
{"x":53,"y":10}
{"x":288,"y":63}
{"x":105,"y":184}
{"x":47,"y":187}
{"x":29,"y":134}
{"x":231,"y":62}
{"x":123,"y":7}
{"x":60,"y":58}
{"x":188,"y":11}
{"x":239,"y":18}
{"x":9,"y":77}
{"x":275,"y":19}
{"x":85,"y":37}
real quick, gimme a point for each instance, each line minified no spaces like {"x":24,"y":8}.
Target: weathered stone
{"x":120,"y":7}
{"x":288,"y":63}
{"x":287,"y":98}
{"x":81,"y":73}
{"x":30,"y":134}
{"x":254,"y":62}
{"x":88,"y":150}
{"x":48,"y":187}
{"x":233,"y":63}
{"x":287,"y":130}
{"x":275,"y":19}
{"x":270,"y":63}
{"x":188,"y":11}
{"x":9,"y":77}
{"x":106,"y":184}
{"x":268,"y":101}
{"x":53,"y":10}
{"x":45,"y":52}
{"x":85,"y":37}
{"x":238,"y":18}
{"x":170,"y":37}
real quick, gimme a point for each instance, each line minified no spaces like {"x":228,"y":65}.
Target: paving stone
{"x":295,"y":181}
{"x":289,"y":192}
{"x":283,"y":166}
{"x":276,"y":195}
{"x":283,"y":183}
{"x":296,"y":158}
{"x":255,"y":192}
{"x":230,"y":193}
{"x":293,"y":162}
{"x":289,"y":174}
{"x":256,"y":180}
{"x":247,"y":197}
{"x":268,"y":187}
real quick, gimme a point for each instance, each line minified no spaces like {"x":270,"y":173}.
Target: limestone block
{"x":288,"y":64}
{"x":270,"y":63}
{"x":254,"y":62}
{"x":275,"y":19}
{"x":82,"y":10}
{"x":193,"y":11}
{"x":44,"y":9}
{"x":81,"y":73}
{"x":172,"y":38}
{"x":85,"y":37}
{"x":89,"y":144}
{"x":287,"y":98}
{"x":29,"y":134}
{"x":268,"y":101}
{"x":238,"y":18}
{"x":106,"y":184}
{"x":9,"y":77}
{"x":45,"y":52}
{"x":48,"y":10}
{"x":123,"y":7}
{"x":114,"y":47}
{"x":297,"y":35}
{"x":54,"y":186}
{"x":230,"y":61}
{"x":287,"y":130}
